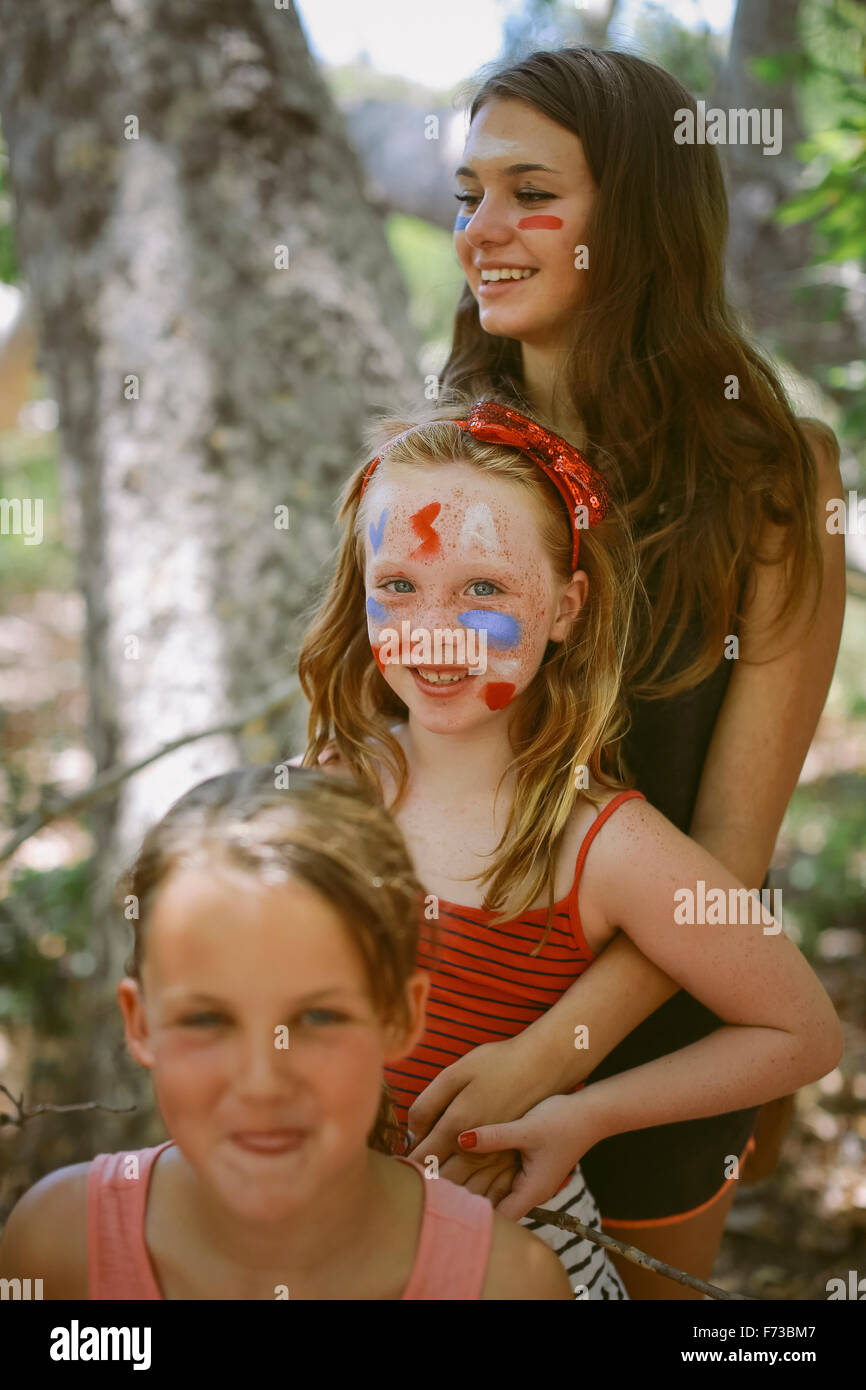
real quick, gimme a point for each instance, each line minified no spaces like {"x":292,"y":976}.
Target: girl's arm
{"x":783,"y":1028}
{"x":503,"y":1080}
{"x":781,"y":1033}
{"x":775,"y":697}
{"x":608,"y":1001}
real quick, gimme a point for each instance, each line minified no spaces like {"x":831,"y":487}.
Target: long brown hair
{"x":655,"y":346}
{"x":327,"y":831}
{"x":570,"y":717}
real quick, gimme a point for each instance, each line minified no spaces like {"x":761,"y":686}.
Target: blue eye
{"x":409,"y":590}
{"x":493,"y":588}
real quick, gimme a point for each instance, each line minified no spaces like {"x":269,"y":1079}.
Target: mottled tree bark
{"x":160,"y":152}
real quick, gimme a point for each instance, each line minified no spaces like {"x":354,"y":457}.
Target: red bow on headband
{"x":578,"y":484}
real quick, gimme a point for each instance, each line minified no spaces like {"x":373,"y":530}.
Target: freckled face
{"x":459,"y":549}
{"x":518,"y":218}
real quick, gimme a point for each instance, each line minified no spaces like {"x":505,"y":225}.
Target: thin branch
{"x":108,"y":780}
{"x":628,"y":1252}
{"x":21,"y":1116}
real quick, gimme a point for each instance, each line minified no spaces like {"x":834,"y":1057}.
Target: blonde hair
{"x":329,"y":832}
{"x":571,"y":716}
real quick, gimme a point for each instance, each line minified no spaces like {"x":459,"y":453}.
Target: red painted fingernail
{"x":468,"y":1139}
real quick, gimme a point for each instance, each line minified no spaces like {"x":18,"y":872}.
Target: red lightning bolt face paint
{"x":421,"y":522}
{"x":497,"y":694}
{"x":376,"y":648}
{"x":540,"y":223}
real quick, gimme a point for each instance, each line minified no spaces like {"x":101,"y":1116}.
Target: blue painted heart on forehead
{"x":503,"y":631}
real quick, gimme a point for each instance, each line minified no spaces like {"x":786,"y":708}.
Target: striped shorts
{"x":590,"y":1271}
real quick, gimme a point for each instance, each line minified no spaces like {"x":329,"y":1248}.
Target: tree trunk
{"x":160,"y":154}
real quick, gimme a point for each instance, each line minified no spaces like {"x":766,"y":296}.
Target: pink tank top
{"x":450,"y":1263}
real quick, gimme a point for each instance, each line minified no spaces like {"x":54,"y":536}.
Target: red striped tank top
{"x":485,"y":986}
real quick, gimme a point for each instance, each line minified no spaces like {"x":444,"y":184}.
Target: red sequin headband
{"x":578,"y":484}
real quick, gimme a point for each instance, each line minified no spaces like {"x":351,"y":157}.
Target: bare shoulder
{"x":632,"y":820}
{"x":825,"y":447}
{"x":633,"y":845}
{"x":632,"y":826}
{"x":522,"y":1266}
{"x":46,"y":1234}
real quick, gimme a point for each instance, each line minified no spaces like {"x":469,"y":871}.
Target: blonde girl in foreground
{"x":273,"y":975}
{"x":535,"y":861}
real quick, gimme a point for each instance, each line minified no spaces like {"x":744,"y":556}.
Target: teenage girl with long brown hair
{"x":593,"y":246}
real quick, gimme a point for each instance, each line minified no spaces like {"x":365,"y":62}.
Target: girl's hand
{"x":493,"y":1083}
{"x":552,"y":1138}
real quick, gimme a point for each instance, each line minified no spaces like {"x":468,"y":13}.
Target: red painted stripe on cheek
{"x":376,"y":648}
{"x":540,"y":223}
{"x":422,"y":526}
{"x":497,"y":694}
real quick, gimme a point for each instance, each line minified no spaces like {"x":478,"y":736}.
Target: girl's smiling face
{"x":451,"y":548}
{"x":526,"y":193}
{"x":230,"y":964}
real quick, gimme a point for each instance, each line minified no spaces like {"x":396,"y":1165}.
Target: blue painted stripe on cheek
{"x":503,"y":631}
{"x":461,"y":223}
{"x":376,"y":610}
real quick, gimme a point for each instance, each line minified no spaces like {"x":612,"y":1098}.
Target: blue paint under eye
{"x":377,"y":610}
{"x":378,"y":531}
{"x":461,"y":222}
{"x":502,"y":630}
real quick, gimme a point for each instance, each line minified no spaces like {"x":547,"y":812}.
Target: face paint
{"x":378,"y":531}
{"x":477,"y":529}
{"x":421,"y":522}
{"x":540,"y":223}
{"x":497,"y":694}
{"x":503,"y":631}
{"x":540,"y":308}
{"x":377,"y":610}
{"x":475,"y":532}
{"x":486,"y":146}
{"x":461,"y":222}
